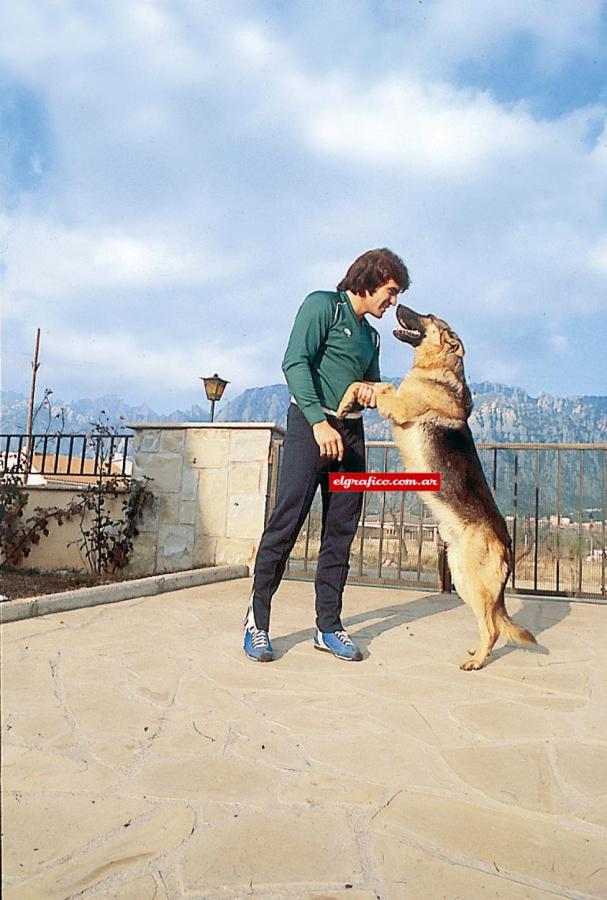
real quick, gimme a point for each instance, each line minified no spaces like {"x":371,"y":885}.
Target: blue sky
{"x":176,"y":176}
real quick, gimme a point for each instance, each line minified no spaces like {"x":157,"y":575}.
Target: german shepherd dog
{"x":430,"y":411}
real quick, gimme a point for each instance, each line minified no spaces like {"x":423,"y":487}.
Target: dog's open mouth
{"x":411,"y":329}
{"x":404,"y":334}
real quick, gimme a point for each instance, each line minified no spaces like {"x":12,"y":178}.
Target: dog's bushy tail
{"x":513,"y":632}
{"x":509,"y":629}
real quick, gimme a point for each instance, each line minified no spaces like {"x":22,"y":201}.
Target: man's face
{"x":382,"y":299}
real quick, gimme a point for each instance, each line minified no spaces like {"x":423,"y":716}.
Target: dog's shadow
{"x":531,"y":616}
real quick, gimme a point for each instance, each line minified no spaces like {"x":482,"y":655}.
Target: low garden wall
{"x":59,"y":549}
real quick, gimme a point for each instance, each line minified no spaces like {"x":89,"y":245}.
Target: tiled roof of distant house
{"x":79,"y":472}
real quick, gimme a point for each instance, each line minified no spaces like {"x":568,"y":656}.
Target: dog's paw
{"x":384,"y":387}
{"x":349,"y":401}
{"x":344,"y":408}
{"x":471,"y":665}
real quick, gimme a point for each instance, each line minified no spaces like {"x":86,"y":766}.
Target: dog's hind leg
{"x":483,"y":607}
{"x":478,"y":575}
{"x":496,"y":619}
{"x":505,"y":628}
{"x":484,"y":593}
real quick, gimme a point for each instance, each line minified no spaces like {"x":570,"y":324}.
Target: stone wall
{"x":211,"y":485}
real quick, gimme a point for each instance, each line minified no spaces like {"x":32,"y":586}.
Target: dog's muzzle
{"x":411,"y":329}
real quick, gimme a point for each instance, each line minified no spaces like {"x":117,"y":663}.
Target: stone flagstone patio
{"x":146,"y":757}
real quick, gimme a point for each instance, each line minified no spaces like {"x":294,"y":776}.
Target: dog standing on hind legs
{"x":429,"y":412}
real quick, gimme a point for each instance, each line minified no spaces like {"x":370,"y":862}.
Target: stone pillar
{"x":210,"y":485}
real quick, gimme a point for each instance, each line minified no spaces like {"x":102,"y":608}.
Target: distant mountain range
{"x":500,"y":413}
{"x":77,"y":416}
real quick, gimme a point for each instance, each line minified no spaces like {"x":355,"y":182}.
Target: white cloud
{"x":431,"y":129}
{"x":486,"y":367}
{"x":111,"y":358}
{"x":149,"y":39}
{"x":200,"y":167}
{"x":46,"y":259}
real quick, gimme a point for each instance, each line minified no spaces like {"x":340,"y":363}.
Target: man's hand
{"x":367,"y":396}
{"x":329,"y":440}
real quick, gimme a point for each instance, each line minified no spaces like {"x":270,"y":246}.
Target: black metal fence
{"x":553,"y":497}
{"x":92,"y":455}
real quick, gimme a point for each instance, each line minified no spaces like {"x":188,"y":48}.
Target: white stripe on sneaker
{"x":259,"y":639}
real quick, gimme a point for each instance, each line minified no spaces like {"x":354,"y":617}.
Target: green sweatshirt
{"x":328,"y":349}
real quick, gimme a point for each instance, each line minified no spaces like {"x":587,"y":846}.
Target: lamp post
{"x":214,"y":388}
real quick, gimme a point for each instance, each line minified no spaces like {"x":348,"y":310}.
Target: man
{"x":331,"y":346}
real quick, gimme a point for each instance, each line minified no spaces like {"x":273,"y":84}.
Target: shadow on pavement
{"x":532,"y":615}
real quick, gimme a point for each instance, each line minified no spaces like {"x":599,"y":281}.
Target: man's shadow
{"x":530,"y":616}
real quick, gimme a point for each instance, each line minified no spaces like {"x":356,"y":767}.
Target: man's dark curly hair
{"x":372,"y":269}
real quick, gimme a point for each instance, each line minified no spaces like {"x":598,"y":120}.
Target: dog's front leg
{"x":350,"y":398}
{"x":400,"y":408}
{"x":407,"y":406}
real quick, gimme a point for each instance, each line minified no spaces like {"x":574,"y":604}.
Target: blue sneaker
{"x":256,"y":643}
{"x":338,"y":643}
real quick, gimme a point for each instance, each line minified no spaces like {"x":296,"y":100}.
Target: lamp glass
{"x":214,"y":387}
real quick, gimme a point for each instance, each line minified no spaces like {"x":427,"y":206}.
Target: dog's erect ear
{"x":454,"y":343}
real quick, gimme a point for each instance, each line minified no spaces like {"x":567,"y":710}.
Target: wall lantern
{"x":214,"y":388}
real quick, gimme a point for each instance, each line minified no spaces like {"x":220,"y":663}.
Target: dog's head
{"x":432,"y":338}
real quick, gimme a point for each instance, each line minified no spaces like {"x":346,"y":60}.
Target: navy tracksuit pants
{"x":302,"y":471}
